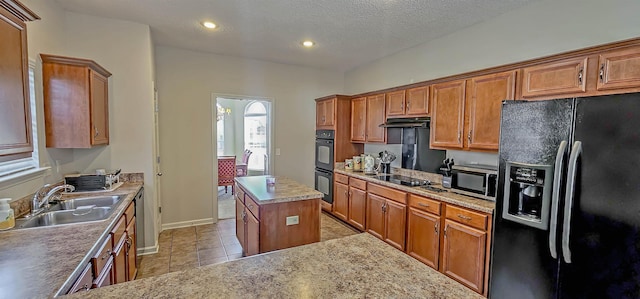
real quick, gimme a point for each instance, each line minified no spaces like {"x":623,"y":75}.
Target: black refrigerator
{"x":567,"y":218}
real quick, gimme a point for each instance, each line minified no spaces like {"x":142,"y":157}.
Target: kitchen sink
{"x":83,"y":214}
{"x":98,"y":201}
{"x":74,"y":210}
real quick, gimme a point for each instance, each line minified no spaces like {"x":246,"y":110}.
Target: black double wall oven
{"x":324,"y":164}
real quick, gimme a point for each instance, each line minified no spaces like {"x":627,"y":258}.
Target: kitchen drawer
{"x":424,"y":204}
{"x":467,"y":217}
{"x":389,"y":193}
{"x":239,"y":193}
{"x":101,"y":258}
{"x":341,"y":178}
{"x":106,"y":277}
{"x":357,"y":183}
{"x":130,"y":212}
{"x":117,"y":232}
{"x":252,"y":206}
{"x":84,"y":282}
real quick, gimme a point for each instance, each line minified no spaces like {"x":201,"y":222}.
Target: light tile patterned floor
{"x":190,"y":247}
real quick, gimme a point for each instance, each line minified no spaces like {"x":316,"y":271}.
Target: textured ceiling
{"x":348,"y":33}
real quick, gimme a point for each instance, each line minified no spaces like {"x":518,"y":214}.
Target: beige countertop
{"x":284,"y":190}
{"x":447,"y":197}
{"x":37,"y":262}
{"x":358,"y":266}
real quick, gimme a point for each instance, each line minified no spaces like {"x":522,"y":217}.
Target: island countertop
{"x":358,"y":266}
{"x":284,"y":190}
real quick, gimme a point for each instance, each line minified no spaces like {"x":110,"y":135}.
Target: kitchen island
{"x":358,"y":266}
{"x":275,"y":216}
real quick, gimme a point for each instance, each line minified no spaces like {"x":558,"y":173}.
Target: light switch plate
{"x":292,"y":220}
{"x":278,"y":151}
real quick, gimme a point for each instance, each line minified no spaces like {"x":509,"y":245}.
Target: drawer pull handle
{"x":423,"y":205}
{"x":464,"y":217}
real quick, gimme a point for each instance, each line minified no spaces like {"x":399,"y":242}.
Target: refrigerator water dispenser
{"x":528,"y":194}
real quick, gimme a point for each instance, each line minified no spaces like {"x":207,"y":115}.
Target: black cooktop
{"x":402,"y":180}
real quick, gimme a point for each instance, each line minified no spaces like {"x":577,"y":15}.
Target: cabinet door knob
{"x":159,"y":174}
{"x":96,"y":130}
{"x":601,"y":74}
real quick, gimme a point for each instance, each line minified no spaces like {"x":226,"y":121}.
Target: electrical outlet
{"x":293,"y":220}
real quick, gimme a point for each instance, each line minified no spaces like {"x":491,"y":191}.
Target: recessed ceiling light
{"x":209,"y":25}
{"x":308,"y":43}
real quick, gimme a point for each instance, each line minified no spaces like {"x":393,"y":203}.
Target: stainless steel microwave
{"x":475,"y":180}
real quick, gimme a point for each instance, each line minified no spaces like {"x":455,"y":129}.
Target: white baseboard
{"x":187,"y":223}
{"x":148,"y":250}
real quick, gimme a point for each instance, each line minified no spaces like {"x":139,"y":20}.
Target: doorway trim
{"x":214,"y":137}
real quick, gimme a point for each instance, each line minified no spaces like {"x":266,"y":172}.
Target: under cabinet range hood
{"x":413,"y":122}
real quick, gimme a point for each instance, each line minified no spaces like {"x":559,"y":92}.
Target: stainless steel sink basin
{"x":98,"y":201}
{"x":67,"y":217}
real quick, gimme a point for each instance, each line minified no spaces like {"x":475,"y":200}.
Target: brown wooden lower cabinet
{"x":253,"y":235}
{"x":460,"y":253}
{"x":386,"y":218}
{"x":423,"y":237}
{"x":341,"y":201}
{"x":120,"y":262}
{"x":464,"y":254}
{"x":357,"y":208}
{"x":131,"y":251}
{"x":375,"y":215}
{"x":395,"y":226}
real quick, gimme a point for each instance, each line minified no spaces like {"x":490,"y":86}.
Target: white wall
{"x":541,"y":29}
{"x":186,"y":82}
{"x":125,"y":49}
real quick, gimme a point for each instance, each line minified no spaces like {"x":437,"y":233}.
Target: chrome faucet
{"x":37,"y":203}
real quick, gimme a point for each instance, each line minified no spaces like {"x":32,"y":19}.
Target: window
{"x":255,"y":134}
{"x":220,"y":129}
{"x":13,"y":168}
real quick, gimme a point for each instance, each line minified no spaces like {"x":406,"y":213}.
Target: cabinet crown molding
{"x":75,"y":61}
{"x":19,"y":10}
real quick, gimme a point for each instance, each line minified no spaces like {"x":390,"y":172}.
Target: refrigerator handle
{"x":576,"y":151}
{"x":555,"y":198}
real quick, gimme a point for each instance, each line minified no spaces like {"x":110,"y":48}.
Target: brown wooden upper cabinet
{"x":325,"y":114}
{"x":76,"y":102}
{"x":564,"y":77}
{"x":367,"y":114}
{"x":619,"y":69}
{"x":447,"y":119}
{"x":485,"y":95}
{"x":359,"y":119}
{"x":412,"y":102}
{"x":15,"y":118}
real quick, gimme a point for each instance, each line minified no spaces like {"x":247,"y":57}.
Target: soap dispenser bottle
{"x":7,"y":218}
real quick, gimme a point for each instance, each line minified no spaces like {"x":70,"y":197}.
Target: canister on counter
{"x":348,"y":164}
{"x":357,"y":163}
